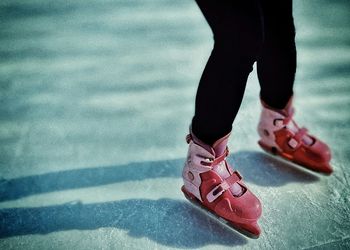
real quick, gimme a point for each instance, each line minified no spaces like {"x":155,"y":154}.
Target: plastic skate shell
{"x":229,"y":225}
{"x":281,"y":136}
{"x":212,"y":185}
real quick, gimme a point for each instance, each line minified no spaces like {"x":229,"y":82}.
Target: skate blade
{"x":223,"y":222}
{"x":278,"y":157}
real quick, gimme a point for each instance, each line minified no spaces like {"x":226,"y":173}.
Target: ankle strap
{"x":188,"y":138}
{"x":217,"y":160}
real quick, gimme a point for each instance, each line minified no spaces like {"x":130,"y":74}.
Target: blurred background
{"x":96,"y":99}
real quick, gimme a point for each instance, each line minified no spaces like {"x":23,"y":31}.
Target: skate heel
{"x":250,"y":229}
{"x":188,"y":195}
{"x":268,"y":149}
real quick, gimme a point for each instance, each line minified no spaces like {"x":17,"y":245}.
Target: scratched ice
{"x":96,"y":99}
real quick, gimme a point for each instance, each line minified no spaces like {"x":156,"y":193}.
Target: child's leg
{"x":278,"y":131}
{"x":209,"y":180}
{"x":276,"y":64}
{"x":237,"y":33}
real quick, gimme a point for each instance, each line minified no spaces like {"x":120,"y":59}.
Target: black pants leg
{"x":276,"y":63}
{"x":237,"y":39}
{"x":239,"y":31}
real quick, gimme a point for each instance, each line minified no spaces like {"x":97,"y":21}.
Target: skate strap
{"x":285,"y":120}
{"x":188,"y":138}
{"x":211,"y":161}
{"x":223,"y":186}
{"x":217,"y":160}
{"x":296,"y":141}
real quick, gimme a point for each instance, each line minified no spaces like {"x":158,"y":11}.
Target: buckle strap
{"x":223,"y":186}
{"x":296,"y":141}
{"x":211,"y":161}
{"x":284,"y":121}
{"x":222,"y":157}
{"x":217,"y":160}
{"x":300,"y":134}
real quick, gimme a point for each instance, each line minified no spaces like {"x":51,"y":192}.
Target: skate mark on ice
{"x":343,"y":243}
{"x":169,"y":222}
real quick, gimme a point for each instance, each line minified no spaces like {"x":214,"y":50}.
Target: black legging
{"x":244,"y":31}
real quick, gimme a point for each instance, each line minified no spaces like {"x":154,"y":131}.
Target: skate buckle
{"x":293,"y":143}
{"x":278,"y":122}
{"x":296,"y":140}
{"x":223,"y":186}
{"x":215,"y":193}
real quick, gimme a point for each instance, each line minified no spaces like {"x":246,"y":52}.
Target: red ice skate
{"x":280,"y":135}
{"x":211,"y":184}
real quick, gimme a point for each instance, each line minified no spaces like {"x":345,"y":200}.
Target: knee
{"x":241,"y":45}
{"x":282,"y":34}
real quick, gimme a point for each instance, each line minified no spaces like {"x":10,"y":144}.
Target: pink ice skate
{"x":280,"y":135}
{"x":211,"y":184}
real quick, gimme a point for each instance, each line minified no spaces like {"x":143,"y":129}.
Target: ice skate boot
{"x":212,"y":185}
{"x":281,"y":136}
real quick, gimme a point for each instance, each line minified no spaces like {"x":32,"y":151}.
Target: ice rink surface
{"x":96,"y":99}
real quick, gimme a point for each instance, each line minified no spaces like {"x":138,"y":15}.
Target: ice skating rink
{"x":96,"y":99}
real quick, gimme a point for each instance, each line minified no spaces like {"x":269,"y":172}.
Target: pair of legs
{"x":245,"y":32}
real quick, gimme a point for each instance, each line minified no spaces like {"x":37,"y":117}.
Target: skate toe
{"x":317,"y":157}
{"x":245,"y":207}
{"x":320,"y":151}
{"x":254,"y":210}
{"x":253,"y":229}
